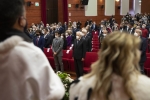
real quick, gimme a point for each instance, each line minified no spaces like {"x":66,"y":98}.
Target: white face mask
{"x":104,"y":35}
{"x":56,"y":36}
{"x":66,"y":34}
{"x":136,"y":34}
{"x":143,"y":26}
{"x":62,"y":37}
{"x":77,"y":37}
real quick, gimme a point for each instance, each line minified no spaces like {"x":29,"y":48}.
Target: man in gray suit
{"x":57,"y":47}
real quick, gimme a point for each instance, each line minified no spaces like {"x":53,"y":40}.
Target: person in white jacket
{"x":25,"y":73}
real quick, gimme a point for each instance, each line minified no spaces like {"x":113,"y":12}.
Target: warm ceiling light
{"x":117,"y":0}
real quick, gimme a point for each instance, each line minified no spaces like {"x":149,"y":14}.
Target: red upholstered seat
{"x":89,"y":59}
{"x":148,"y":54}
{"x":147,"y":63}
{"x":95,"y":50}
{"x":147,"y":71}
{"x":72,"y":65}
{"x":95,"y":46}
{"x":51,"y":61}
{"x":95,"y":33}
{"x":67,"y":54}
{"x":48,"y":52}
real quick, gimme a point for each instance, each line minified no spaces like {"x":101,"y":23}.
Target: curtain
{"x":65,"y":9}
{"x":43,"y":11}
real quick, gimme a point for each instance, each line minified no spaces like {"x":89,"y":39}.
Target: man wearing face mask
{"x":144,"y":31}
{"x":143,"y":47}
{"x":25,"y":73}
{"x":57,"y":47}
{"x":39,"y":40}
{"x":79,"y":52}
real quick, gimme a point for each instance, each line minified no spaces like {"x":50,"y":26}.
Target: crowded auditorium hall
{"x":74,"y":50}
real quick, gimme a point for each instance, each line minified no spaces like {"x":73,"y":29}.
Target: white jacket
{"x":141,"y":89}
{"x":25,"y":73}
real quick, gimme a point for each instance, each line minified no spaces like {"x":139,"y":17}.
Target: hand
{"x":82,"y":59}
{"x":55,"y":53}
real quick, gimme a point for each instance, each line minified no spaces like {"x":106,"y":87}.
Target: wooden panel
{"x":79,"y":14}
{"x":33,"y":13}
{"x":145,"y":6}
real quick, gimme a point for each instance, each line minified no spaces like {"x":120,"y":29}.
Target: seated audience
{"x":116,"y":74}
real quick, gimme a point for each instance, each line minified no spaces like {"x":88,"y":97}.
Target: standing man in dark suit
{"x":57,"y":47}
{"x":48,"y":38}
{"x":79,"y":52}
{"x":131,"y":28}
{"x":87,"y":39}
{"x":39,"y":40}
{"x":138,"y":33}
{"x":94,"y":27}
{"x":65,"y":26}
{"x":79,"y":25}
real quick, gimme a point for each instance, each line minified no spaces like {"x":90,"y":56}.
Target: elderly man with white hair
{"x":143,"y":47}
{"x":79,"y":52}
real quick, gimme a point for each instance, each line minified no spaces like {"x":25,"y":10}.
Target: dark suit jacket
{"x":65,"y":44}
{"x":94,"y":28}
{"x":143,"y":49}
{"x":79,"y":49}
{"x":88,"y":43}
{"x":41,"y":42}
{"x":65,"y":27}
{"x":48,"y":40}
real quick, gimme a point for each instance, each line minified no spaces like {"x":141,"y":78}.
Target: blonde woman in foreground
{"x":116,"y":74}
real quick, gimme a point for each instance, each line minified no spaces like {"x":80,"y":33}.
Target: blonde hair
{"x":117,"y":55}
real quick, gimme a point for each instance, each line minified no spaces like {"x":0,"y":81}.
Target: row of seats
{"x":68,"y":59}
{"x":147,"y":65}
{"x":95,"y":42}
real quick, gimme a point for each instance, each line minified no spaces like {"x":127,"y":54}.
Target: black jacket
{"x":143,"y":49}
{"x":79,"y":49}
{"x":88,"y":43}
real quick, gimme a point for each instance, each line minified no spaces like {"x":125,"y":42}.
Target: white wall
{"x":91,"y":8}
{"x":124,"y":7}
{"x":137,"y":7}
{"x":109,"y":7}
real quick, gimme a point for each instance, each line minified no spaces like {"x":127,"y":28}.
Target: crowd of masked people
{"x":43,"y":35}
{"x":72,"y":32}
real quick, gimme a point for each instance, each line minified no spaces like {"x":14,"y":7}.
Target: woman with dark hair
{"x":65,"y":41}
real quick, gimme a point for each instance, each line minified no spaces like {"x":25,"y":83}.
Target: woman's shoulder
{"x":142,"y":88}
{"x":81,"y":88}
